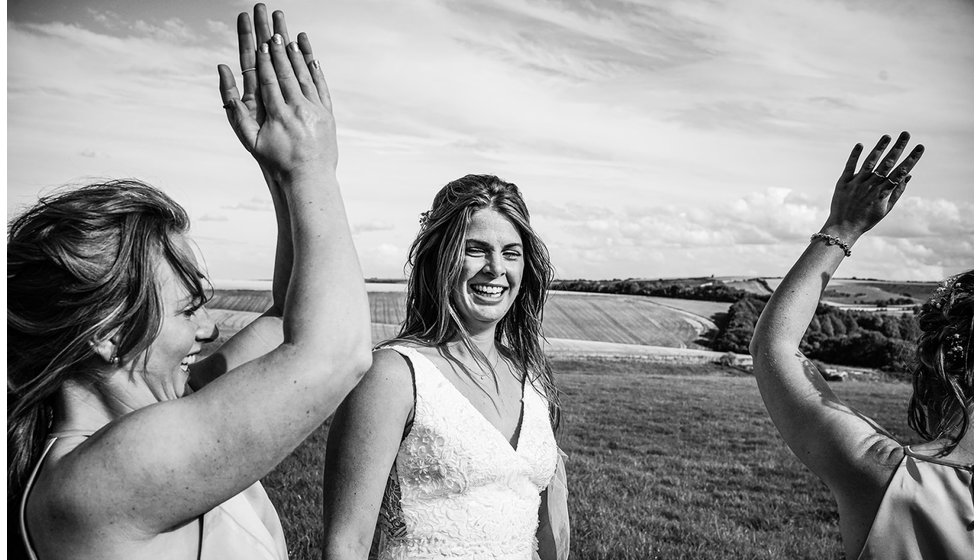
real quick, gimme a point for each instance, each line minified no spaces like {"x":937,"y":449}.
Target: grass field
{"x":666,"y":461}
{"x":600,"y":317}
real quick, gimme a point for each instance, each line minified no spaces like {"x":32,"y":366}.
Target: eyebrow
{"x":479,"y":243}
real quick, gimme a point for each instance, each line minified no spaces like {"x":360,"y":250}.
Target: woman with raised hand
{"x":112,"y":454}
{"x":446,"y":448}
{"x":895,"y":502}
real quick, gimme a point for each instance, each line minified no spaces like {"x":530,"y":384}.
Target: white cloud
{"x":708,"y":133}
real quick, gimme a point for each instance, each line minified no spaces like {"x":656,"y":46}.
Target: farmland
{"x":665,"y":461}
{"x":669,"y":322}
{"x":848,"y":291}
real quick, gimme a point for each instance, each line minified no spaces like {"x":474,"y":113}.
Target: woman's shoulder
{"x":59,"y":497}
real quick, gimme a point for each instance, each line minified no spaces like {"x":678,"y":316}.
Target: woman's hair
{"x":81,"y":267}
{"x":942,"y":381}
{"x":436,"y":262}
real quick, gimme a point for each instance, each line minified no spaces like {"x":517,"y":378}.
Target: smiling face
{"x":185,"y":327}
{"x":493,"y":267}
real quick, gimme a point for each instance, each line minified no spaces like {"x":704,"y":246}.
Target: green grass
{"x":666,"y":461}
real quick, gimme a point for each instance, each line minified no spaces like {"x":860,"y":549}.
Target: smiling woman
{"x":447,"y":447}
{"x":122,"y":444}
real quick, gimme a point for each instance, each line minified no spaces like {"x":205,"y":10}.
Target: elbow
{"x":361,"y":362}
{"x":353,"y":361}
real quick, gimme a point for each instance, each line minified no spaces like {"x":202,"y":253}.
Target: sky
{"x":650,"y":139}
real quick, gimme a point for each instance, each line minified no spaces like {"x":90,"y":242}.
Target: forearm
{"x":326,"y":279}
{"x":283,"y":266}
{"x":791,"y":307}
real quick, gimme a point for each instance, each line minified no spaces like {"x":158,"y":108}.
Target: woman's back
{"x":926,"y":512}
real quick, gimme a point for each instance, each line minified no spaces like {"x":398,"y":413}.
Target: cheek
{"x":517,"y":274}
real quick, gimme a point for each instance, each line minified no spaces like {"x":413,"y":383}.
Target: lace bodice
{"x":458,"y":489}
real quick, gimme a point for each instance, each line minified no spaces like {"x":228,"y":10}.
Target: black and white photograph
{"x":527,"y":279}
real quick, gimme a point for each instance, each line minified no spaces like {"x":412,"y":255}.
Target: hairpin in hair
{"x":945,"y":292}
{"x":954,"y":347}
{"x":424,"y":218}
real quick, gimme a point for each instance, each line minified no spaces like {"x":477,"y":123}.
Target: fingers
{"x":906,"y":166}
{"x":246,"y":56}
{"x":303,"y":41}
{"x":279,"y":25}
{"x":872,"y":160}
{"x":302,"y":72}
{"x":897,"y":191}
{"x":263,"y":33}
{"x":272,"y":97}
{"x":288,"y":81}
{"x":851,"y":164}
{"x":245,"y":127}
{"x":893,"y":155}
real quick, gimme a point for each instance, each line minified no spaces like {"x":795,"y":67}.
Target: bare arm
{"x":265,"y":332}
{"x":838,"y":444}
{"x":167,"y":463}
{"x":365,"y":435}
{"x":553,"y":523}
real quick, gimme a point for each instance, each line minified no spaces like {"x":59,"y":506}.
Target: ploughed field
{"x":665,"y":461}
{"x":579,"y":316}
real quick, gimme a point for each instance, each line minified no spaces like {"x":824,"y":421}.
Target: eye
{"x":190,"y":310}
{"x":512,"y":255}
{"x":474,"y":251}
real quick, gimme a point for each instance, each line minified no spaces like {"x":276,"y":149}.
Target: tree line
{"x":836,"y":336}
{"x":706,"y":289}
{"x":845,"y":337}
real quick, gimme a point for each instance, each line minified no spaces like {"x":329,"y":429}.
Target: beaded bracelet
{"x":832,"y":240}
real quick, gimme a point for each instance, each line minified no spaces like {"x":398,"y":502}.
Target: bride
{"x":447,"y":447}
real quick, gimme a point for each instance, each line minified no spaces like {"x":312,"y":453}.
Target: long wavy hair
{"x":942,"y":381}
{"x":81,"y":265}
{"x":436,"y":261}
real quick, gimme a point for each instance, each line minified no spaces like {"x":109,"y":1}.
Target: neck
{"x":484,"y":341}
{"x":85,"y":406}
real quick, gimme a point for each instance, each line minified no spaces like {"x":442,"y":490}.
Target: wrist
{"x":307,"y":176}
{"x":845,"y":233}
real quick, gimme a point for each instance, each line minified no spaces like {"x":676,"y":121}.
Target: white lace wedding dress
{"x":458,"y":489}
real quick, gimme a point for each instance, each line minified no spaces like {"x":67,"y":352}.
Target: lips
{"x":186,"y":363}
{"x":488,"y":290}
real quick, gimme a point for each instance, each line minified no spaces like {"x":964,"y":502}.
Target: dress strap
{"x":937,"y":460}
{"x":71,"y":433}
{"x":52,"y":438}
{"x":409,"y":354}
{"x":27,"y":491}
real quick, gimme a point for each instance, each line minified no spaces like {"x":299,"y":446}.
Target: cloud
{"x":922,"y":239}
{"x":372,"y":226}
{"x":649,"y":138}
{"x":213,"y":218}
{"x":255,"y":204}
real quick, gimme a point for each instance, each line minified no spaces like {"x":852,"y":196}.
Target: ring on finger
{"x":247,"y":70}
{"x":876,"y":173}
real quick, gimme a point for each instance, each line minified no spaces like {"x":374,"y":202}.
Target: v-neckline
{"x":476,"y":411}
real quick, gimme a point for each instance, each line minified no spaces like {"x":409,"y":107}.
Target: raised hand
{"x":864,"y":196}
{"x":284,"y":118}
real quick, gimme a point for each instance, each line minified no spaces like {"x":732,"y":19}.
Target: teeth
{"x":489,"y":290}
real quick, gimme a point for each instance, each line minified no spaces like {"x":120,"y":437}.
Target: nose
{"x":494,"y":265}
{"x":207,"y":329}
